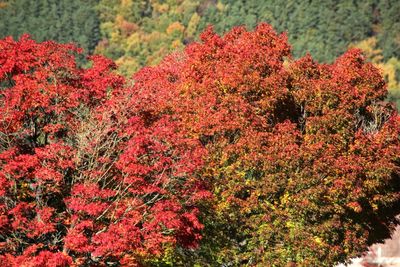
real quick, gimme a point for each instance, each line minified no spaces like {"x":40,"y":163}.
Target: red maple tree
{"x":87,"y":178}
{"x":303,"y":157}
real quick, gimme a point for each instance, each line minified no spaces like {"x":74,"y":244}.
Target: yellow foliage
{"x":389,"y":68}
{"x":126,"y":3}
{"x":119,"y":19}
{"x":318,"y":240}
{"x":192,"y":26}
{"x":389,"y":72}
{"x":176,"y":44}
{"x":285,"y":198}
{"x":220,"y":6}
{"x":107,"y":28}
{"x":154,"y":37}
{"x":133,"y":41}
{"x":160,"y":8}
{"x":162,"y":31}
{"x":127,"y":65}
{"x":175,"y":27}
{"x":368,"y":46}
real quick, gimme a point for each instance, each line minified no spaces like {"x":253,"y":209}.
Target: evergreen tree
{"x":389,"y":35}
{"x":60,"y":20}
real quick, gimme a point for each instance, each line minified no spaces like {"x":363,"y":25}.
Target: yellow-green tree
{"x":390,"y":69}
{"x":142,"y":32}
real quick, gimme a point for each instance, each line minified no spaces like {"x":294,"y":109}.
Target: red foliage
{"x":86,"y":177}
{"x":302,"y":158}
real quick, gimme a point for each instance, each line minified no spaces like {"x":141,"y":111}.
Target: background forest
{"x":136,"y":33}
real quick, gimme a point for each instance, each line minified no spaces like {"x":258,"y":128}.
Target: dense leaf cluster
{"x":303,"y":157}
{"x":87,"y":177}
{"x":229,"y":153}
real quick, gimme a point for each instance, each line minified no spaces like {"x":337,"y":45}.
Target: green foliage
{"x":389,"y":34}
{"x":60,"y":20}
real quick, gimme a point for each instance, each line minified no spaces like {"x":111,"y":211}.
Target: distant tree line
{"x":60,"y":20}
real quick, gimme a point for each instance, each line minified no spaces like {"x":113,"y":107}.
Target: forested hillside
{"x":60,"y":20}
{"x":136,"y":33}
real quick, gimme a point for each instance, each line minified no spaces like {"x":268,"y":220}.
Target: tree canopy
{"x":230,"y":152}
{"x":85,"y":178}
